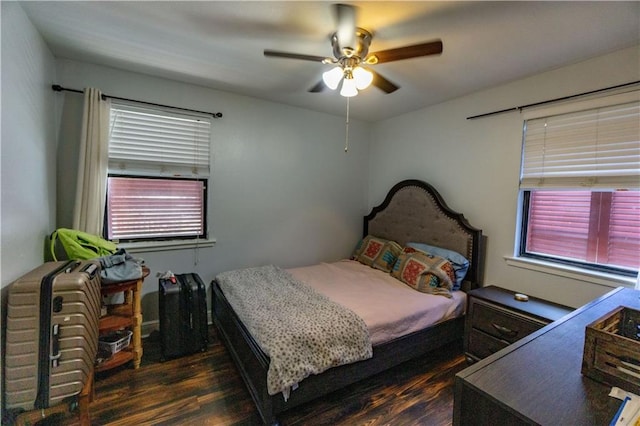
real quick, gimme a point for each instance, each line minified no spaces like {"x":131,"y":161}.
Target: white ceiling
{"x":219,"y":44}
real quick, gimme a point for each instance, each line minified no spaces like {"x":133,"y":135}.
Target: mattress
{"x":389,"y":308}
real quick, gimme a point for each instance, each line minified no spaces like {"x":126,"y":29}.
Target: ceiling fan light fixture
{"x":350,"y":45}
{"x":349,"y":88}
{"x":362,"y":77}
{"x":332,"y":77}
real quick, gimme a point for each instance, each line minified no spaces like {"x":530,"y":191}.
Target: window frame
{"x":522,"y":252}
{"x":205,"y":211}
{"x":156,"y":170}
{"x":596,"y":183}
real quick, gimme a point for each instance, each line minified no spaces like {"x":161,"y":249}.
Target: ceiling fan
{"x":351,"y":54}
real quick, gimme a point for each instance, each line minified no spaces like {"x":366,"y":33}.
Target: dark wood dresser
{"x":538,"y":380}
{"x":495,"y":319}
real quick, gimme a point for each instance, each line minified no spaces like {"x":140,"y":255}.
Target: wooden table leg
{"x":137,"y":324}
{"x":86,"y":396}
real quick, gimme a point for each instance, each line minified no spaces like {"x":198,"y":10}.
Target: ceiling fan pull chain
{"x":346,"y":142}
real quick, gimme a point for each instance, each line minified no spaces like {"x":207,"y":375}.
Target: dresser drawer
{"x":482,"y":345}
{"x":501,"y":324}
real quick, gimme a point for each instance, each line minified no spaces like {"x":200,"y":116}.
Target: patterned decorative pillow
{"x":377,"y":252}
{"x":424,"y":272}
{"x":459,"y":262}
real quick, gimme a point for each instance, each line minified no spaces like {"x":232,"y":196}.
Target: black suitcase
{"x":183,"y":315}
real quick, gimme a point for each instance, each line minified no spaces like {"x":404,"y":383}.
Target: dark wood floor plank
{"x":205,"y":388}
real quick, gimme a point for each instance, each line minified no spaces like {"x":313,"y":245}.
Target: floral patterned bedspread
{"x":302,"y":331}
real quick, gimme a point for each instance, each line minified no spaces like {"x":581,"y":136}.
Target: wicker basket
{"x":114,"y":342}
{"x":612,"y":349}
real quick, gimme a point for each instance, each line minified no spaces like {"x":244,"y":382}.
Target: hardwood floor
{"x":205,"y":388}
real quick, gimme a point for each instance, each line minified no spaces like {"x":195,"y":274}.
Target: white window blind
{"x":624,"y":229}
{"x":558,"y":223}
{"x":594,"y":227}
{"x":158,"y":173}
{"x":146,"y":141}
{"x":592,"y":148}
{"x":154,"y":208}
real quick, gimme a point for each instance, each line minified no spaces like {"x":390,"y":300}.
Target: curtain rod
{"x":564,"y":98}
{"x":58,"y":88}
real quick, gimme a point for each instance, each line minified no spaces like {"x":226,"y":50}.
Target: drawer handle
{"x":504,"y":330}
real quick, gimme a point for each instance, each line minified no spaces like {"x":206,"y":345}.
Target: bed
{"x":413,"y":211}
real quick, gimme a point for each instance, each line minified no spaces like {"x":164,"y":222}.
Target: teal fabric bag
{"x":120,"y":266}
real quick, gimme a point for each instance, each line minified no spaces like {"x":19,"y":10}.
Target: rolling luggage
{"x":183,"y":315}
{"x":52,"y":334}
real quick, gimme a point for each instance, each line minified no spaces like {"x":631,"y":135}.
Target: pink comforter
{"x":389,"y":307}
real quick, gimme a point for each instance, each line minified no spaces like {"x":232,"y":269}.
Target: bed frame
{"x":412,"y":211}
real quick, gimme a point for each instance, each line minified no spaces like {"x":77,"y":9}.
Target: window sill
{"x":599,"y":278}
{"x":147,"y":246}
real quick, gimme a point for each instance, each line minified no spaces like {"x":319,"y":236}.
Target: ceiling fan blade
{"x":346,"y":22}
{"x":407,"y":52}
{"x":383,"y":84}
{"x":319,"y":87}
{"x":278,"y":54}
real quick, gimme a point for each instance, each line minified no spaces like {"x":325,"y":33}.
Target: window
{"x":158,"y":174}
{"x":580,"y":184}
{"x":155,"y":208}
{"x":593,"y":228}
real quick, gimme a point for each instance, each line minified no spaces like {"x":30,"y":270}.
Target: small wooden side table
{"x":126,"y":315}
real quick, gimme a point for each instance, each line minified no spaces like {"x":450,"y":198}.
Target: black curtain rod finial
{"x":58,"y":88}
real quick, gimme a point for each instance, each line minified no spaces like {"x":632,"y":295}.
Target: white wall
{"x":28,"y":149}
{"x":283,"y":190}
{"x":475,"y":164}
{"x":29,"y":122}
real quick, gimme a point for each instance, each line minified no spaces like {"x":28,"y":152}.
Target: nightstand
{"x":495,"y":319}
